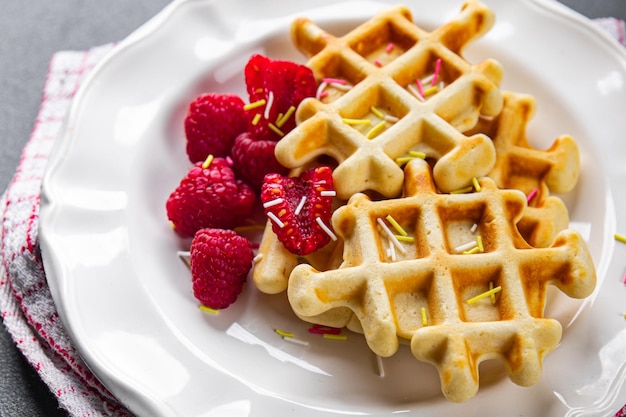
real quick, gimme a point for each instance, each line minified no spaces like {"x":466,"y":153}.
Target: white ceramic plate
{"x":126,"y":298}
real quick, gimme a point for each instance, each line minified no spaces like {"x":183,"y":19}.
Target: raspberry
{"x":254,"y":159}
{"x":209,"y":197}
{"x":220,"y":261}
{"x":212,"y":123}
{"x":298,"y":229}
{"x":289,"y":83}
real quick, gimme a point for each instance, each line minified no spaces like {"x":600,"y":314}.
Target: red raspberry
{"x":220,"y":261}
{"x":289,"y":83}
{"x":209,"y":197}
{"x":254,"y":159}
{"x":299,"y":231}
{"x":212,"y":123}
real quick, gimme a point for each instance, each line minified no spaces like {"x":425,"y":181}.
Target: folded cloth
{"x":26,"y":305}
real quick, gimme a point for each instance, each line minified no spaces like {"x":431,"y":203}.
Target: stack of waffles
{"x":448,"y":234}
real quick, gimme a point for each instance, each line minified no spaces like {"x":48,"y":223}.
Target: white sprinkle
{"x":466,"y":246}
{"x":428,"y":79}
{"x":105,"y":405}
{"x":328,"y":193}
{"x":273,"y":202}
{"x":268,"y":106}
{"x":392,"y":251}
{"x":390,"y":235}
{"x":341,"y":87}
{"x":474,"y":227}
{"x":391,"y":119}
{"x":413,"y":89}
{"x":325,"y":228}
{"x":381,"y":369}
{"x":276,"y":220}
{"x":257,"y":258}
{"x":296,"y":341}
{"x":486,"y":118}
{"x":185,"y":257}
{"x":300,"y":205}
{"x":321,"y":89}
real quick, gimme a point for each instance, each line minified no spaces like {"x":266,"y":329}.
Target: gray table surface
{"x":30,"y":32}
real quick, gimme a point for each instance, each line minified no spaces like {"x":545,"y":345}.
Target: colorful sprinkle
{"x":532,"y":195}
{"x":276,"y":130}
{"x":325,"y":228}
{"x":330,"y":80}
{"x":257,"y":258}
{"x":396,"y":225}
{"x":378,"y":63}
{"x":474,"y":227}
{"x":282,"y":120}
{"x":417,"y":154}
{"x":270,"y":103}
{"x":283,"y":333}
{"x":275,"y":219}
{"x":463,"y":190}
{"x":209,"y":310}
{"x":377,"y":112}
{"x":272,"y":203}
{"x":185,"y":257}
{"x":479,"y":244}
{"x":477,"y":186}
{"x":379,"y":363}
{"x":465,"y":247}
{"x":431,"y":91}
{"x":420,"y":87}
{"x":255,"y":119}
{"x":300,"y":205}
{"x":321,"y":329}
{"x":295,"y":341}
{"x":207,"y":162}
{"x":493,"y":295}
{"x":407,"y":239}
{"x":390,"y":235}
{"x":415,"y":92}
{"x":436,"y":73}
{"x":254,"y":105}
{"x":335,"y":336}
{"x":485,"y":294}
{"x":424,"y":317}
{"x":356,"y":121}
{"x":389,"y":47}
{"x":404,"y":159}
{"x":328,"y":193}
{"x":320,"y":93}
{"x":376,"y":130}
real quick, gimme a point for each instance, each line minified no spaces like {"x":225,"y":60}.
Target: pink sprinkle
{"x":334,"y":81}
{"x":323,"y":94}
{"x":532,"y":195}
{"x":378,"y":63}
{"x":389,"y":47}
{"x":319,"y":329}
{"x":229,"y":161}
{"x":624,"y":278}
{"x":420,"y":88}
{"x":436,"y":74}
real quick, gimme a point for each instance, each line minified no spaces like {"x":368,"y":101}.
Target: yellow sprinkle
{"x":256,"y":118}
{"x":485,"y":294}
{"x":403,"y":160}
{"x":471,"y":251}
{"x":283,"y":333}
{"x":417,"y":154}
{"x":409,"y":239}
{"x":493,"y":296}
{"x":462,"y":190}
{"x":335,"y":336}
{"x":625,"y":315}
{"x":207,"y":162}
{"x":431,"y":90}
{"x":209,"y":310}
{"x":276,"y":130}
{"x":356,"y":121}
{"x":376,"y":130}
{"x":620,"y":238}
{"x":377,"y":112}
{"x":424,"y":318}
{"x":254,"y":105}
{"x":396,"y":225}
{"x":479,"y":243}
{"x":282,"y":120}
{"x":477,"y":186}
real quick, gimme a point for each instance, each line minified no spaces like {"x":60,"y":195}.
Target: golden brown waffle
{"x":422,"y":289}
{"x":535,"y":172}
{"x":381,"y":62}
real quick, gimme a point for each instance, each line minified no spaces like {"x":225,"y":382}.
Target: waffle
{"x":375,"y":113}
{"x":533,"y":171}
{"x":423,"y":290}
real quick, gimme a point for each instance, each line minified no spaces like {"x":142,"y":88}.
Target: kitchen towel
{"x":26,"y":305}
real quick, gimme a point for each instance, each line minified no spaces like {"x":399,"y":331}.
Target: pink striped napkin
{"x":26,"y":305}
